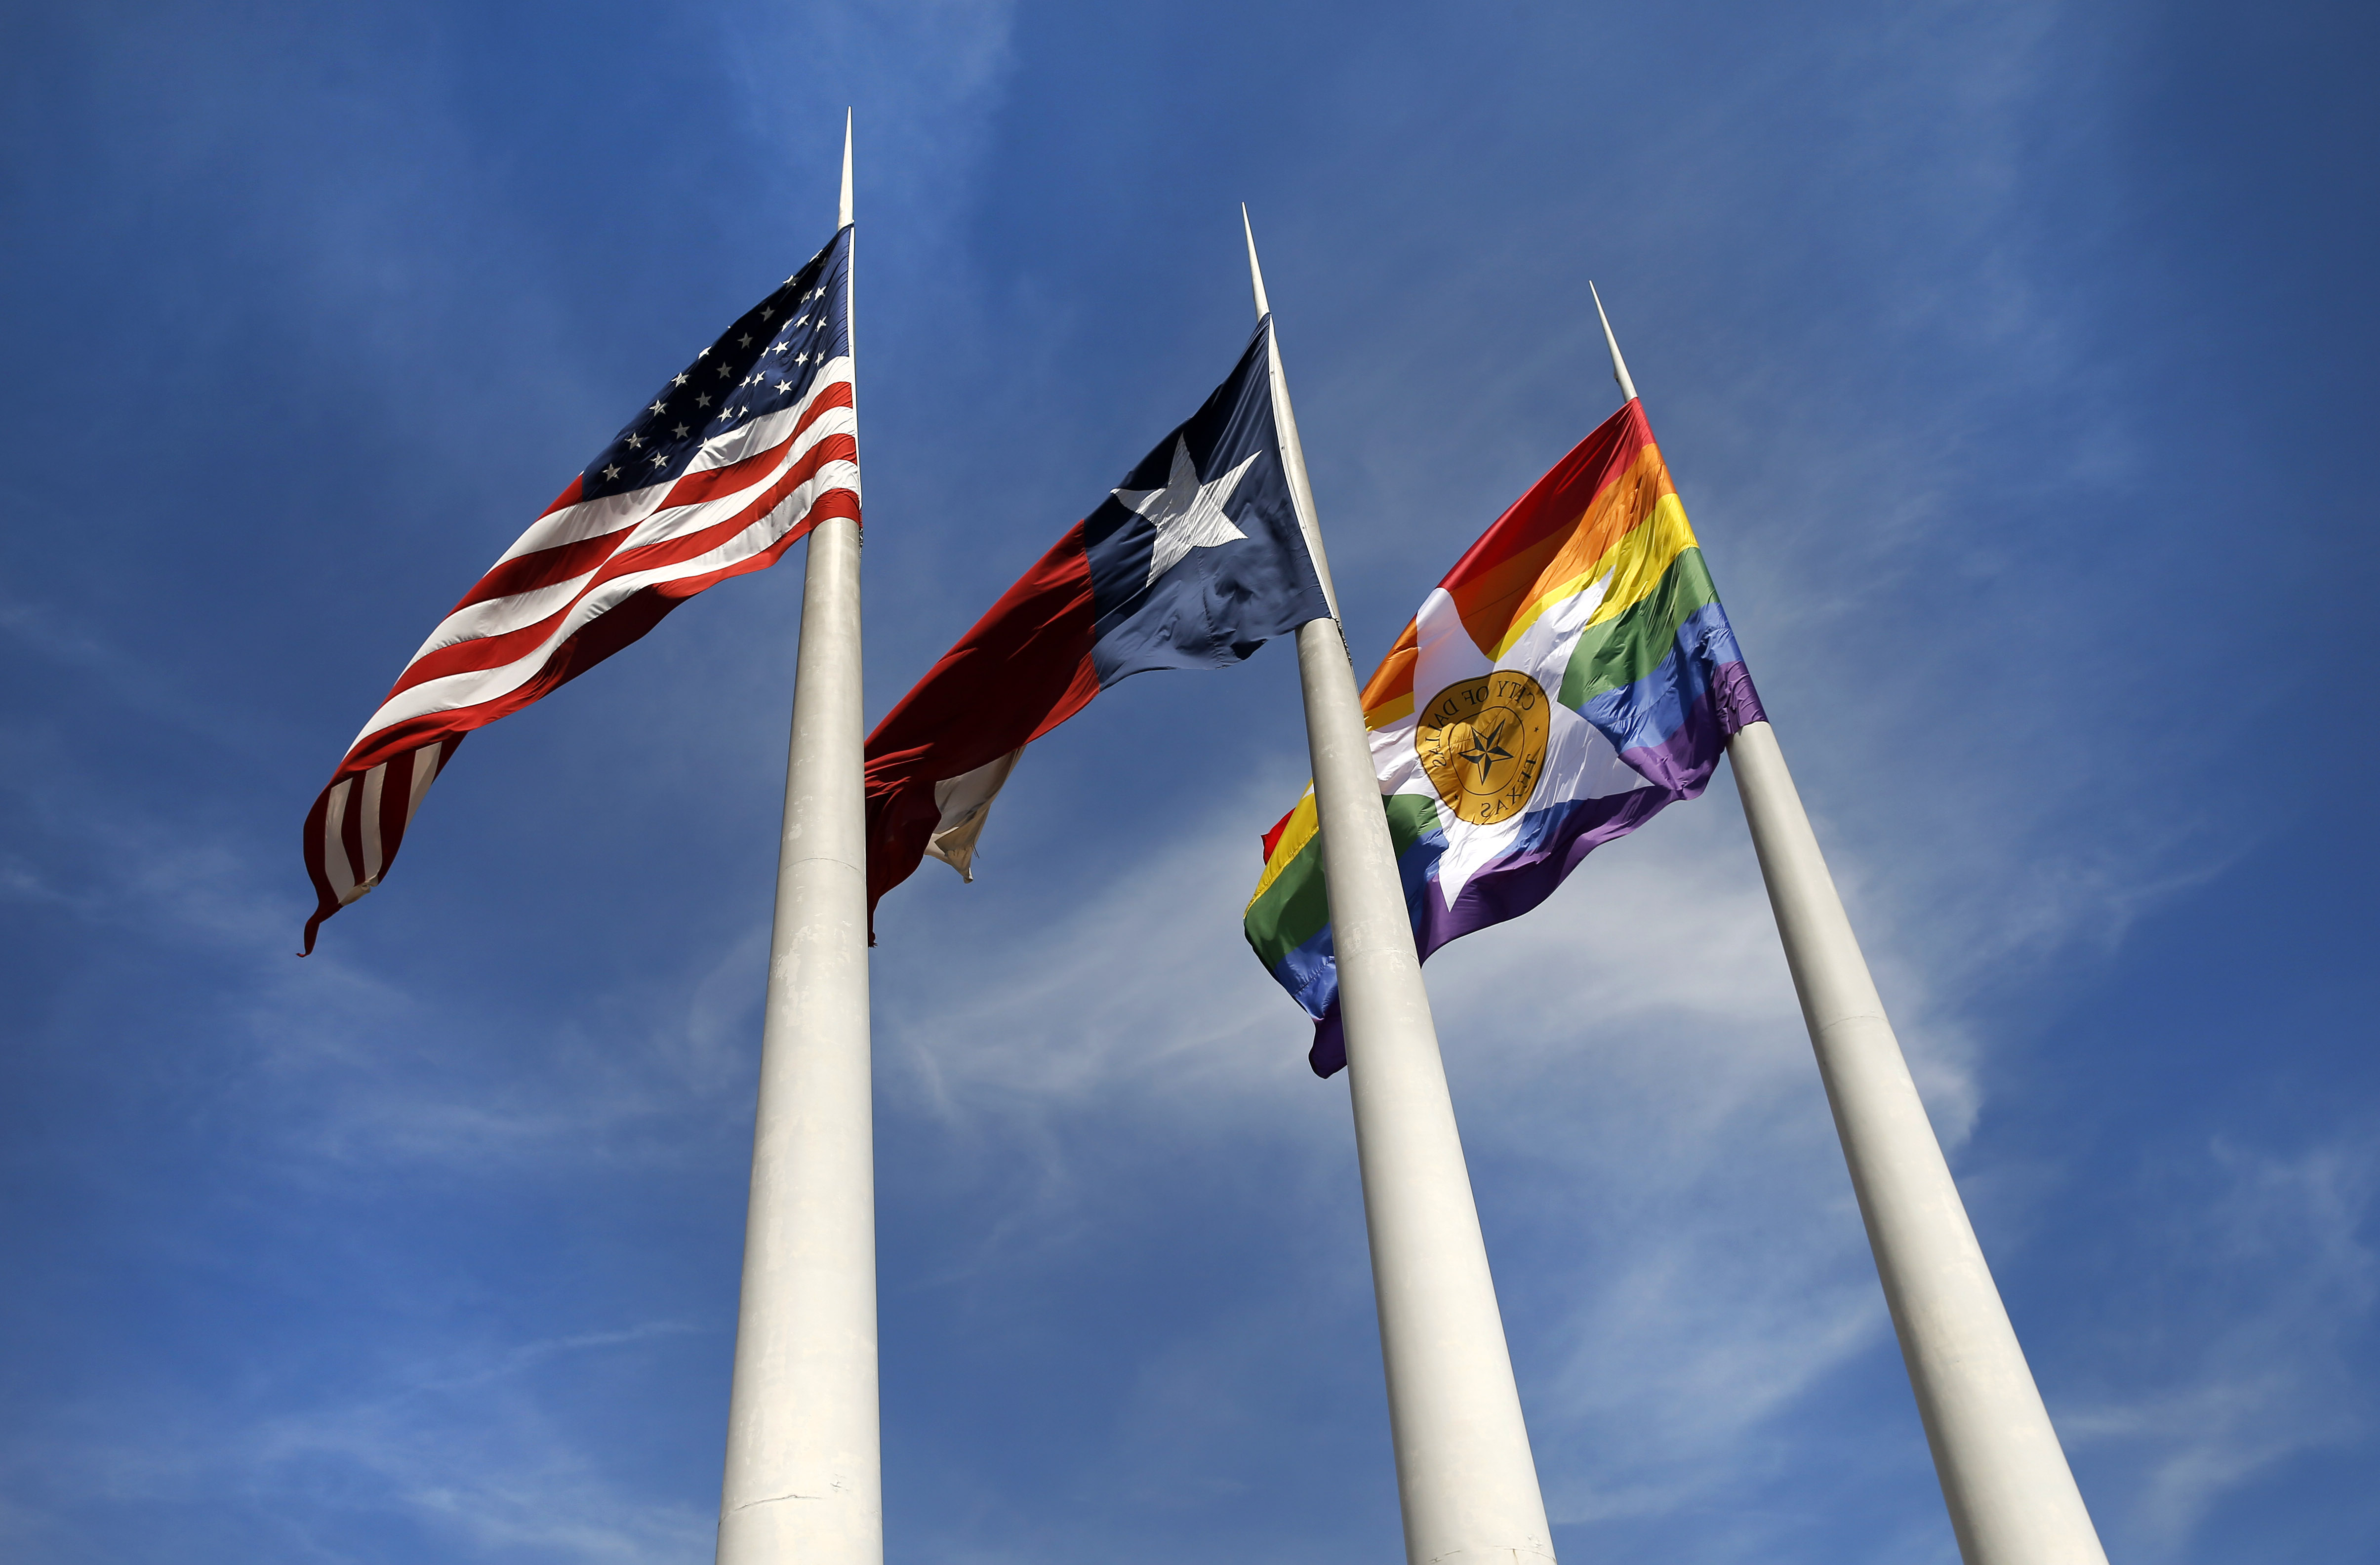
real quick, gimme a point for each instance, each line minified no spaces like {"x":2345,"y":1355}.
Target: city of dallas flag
{"x":1572,"y":675}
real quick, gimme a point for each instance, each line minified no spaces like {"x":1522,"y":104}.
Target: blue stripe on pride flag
{"x":1644,"y":714}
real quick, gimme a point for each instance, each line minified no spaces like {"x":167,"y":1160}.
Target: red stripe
{"x":326,"y":901}
{"x":576,"y":653}
{"x":606,"y":634}
{"x":527,"y":573}
{"x":568,"y":497}
{"x":1273,"y":837}
{"x":693,"y":545}
{"x":545,"y":567}
{"x":1555,"y":502}
{"x":1022,"y":669}
{"x":482,"y":652}
{"x":395,"y":792}
{"x":696,"y":487}
{"x":351,"y":831}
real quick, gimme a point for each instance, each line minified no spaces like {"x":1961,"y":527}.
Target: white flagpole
{"x":1465,"y":1478}
{"x":2011,"y":1496}
{"x":804,"y":1480}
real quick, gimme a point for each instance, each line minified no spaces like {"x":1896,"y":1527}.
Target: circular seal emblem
{"x":1483,"y":743}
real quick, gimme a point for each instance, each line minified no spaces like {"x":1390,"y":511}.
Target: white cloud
{"x":2271,"y":1282}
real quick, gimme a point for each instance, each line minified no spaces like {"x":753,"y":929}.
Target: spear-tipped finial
{"x":1255,"y":272}
{"x":1619,"y":365}
{"x":843,"y":213}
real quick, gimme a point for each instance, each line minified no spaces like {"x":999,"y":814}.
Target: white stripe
{"x":498,"y":616}
{"x":335,"y":868}
{"x":474,"y":686}
{"x":965,"y":803}
{"x":726,"y":450}
{"x":425,"y":772}
{"x":614,"y":513}
{"x":588,"y":518}
{"x":374,"y":781}
{"x":1395,"y":760}
{"x":676,"y":521}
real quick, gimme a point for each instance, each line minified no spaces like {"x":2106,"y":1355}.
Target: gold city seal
{"x":1483,"y":743}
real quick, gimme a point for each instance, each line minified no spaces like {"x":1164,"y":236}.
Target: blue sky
{"x":2016,"y":363}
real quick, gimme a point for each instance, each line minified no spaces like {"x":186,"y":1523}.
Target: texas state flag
{"x":1195,"y":561}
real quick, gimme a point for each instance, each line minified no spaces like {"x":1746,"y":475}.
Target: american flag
{"x":740,"y":453}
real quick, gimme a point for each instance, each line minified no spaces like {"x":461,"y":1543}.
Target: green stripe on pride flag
{"x":1412,"y":817}
{"x":1624,"y":650}
{"x":1293,"y":909}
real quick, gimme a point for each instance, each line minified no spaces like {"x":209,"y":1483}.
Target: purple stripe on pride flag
{"x":1679,"y":768}
{"x":1507,"y":889}
{"x":1684,"y":762}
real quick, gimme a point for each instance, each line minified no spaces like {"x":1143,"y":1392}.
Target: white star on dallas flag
{"x":1186,"y":513}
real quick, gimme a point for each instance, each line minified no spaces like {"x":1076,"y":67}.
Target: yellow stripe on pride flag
{"x":1635,"y":566}
{"x":1299,"y":831}
{"x":1627,"y":536}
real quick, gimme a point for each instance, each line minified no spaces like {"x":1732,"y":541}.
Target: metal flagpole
{"x":1466,"y":1481}
{"x":804,"y":1480}
{"x":2012,"y":1496}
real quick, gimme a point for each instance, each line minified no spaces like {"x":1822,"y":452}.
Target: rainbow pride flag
{"x":1569,"y":677}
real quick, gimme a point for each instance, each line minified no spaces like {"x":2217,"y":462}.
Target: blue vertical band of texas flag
{"x":1195,"y":561}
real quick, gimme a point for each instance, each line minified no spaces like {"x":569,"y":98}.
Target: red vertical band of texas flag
{"x":1022,"y":669}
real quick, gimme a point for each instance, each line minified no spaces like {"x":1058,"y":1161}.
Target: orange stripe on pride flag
{"x":1547,"y":540}
{"x":1569,"y":520}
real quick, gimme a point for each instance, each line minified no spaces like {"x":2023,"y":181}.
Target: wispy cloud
{"x":2281,"y":1279}
{"x":454,"y":1450}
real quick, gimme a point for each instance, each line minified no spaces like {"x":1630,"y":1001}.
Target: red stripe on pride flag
{"x":1022,"y":669}
{"x":1492,"y":580}
{"x":1272,"y":837}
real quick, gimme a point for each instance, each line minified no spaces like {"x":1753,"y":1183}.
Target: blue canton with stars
{"x":764,"y":362}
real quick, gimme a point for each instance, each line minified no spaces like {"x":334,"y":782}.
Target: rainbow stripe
{"x":1591,"y":586}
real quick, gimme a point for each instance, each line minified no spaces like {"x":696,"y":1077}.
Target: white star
{"x":660,"y":459}
{"x":799,"y":319}
{"x":1186,"y":513}
{"x":726,"y":369}
{"x":612,"y":472}
{"x":680,"y":379}
{"x":681,"y":431}
{"x":704,"y":353}
{"x":801,"y":359}
{"x":658,"y":406}
{"x":743,"y":341}
{"x":766,"y":314}
{"x":636,"y":443}
{"x":702,"y":401}
{"x":785,"y":385}
{"x":779,"y":348}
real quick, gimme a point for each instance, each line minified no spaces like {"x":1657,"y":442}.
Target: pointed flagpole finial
{"x":843,"y":213}
{"x":1255,"y":272}
{"x":1619,"y":365}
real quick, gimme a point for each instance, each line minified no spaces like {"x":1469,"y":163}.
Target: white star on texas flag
{"x":1186,"y":513}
